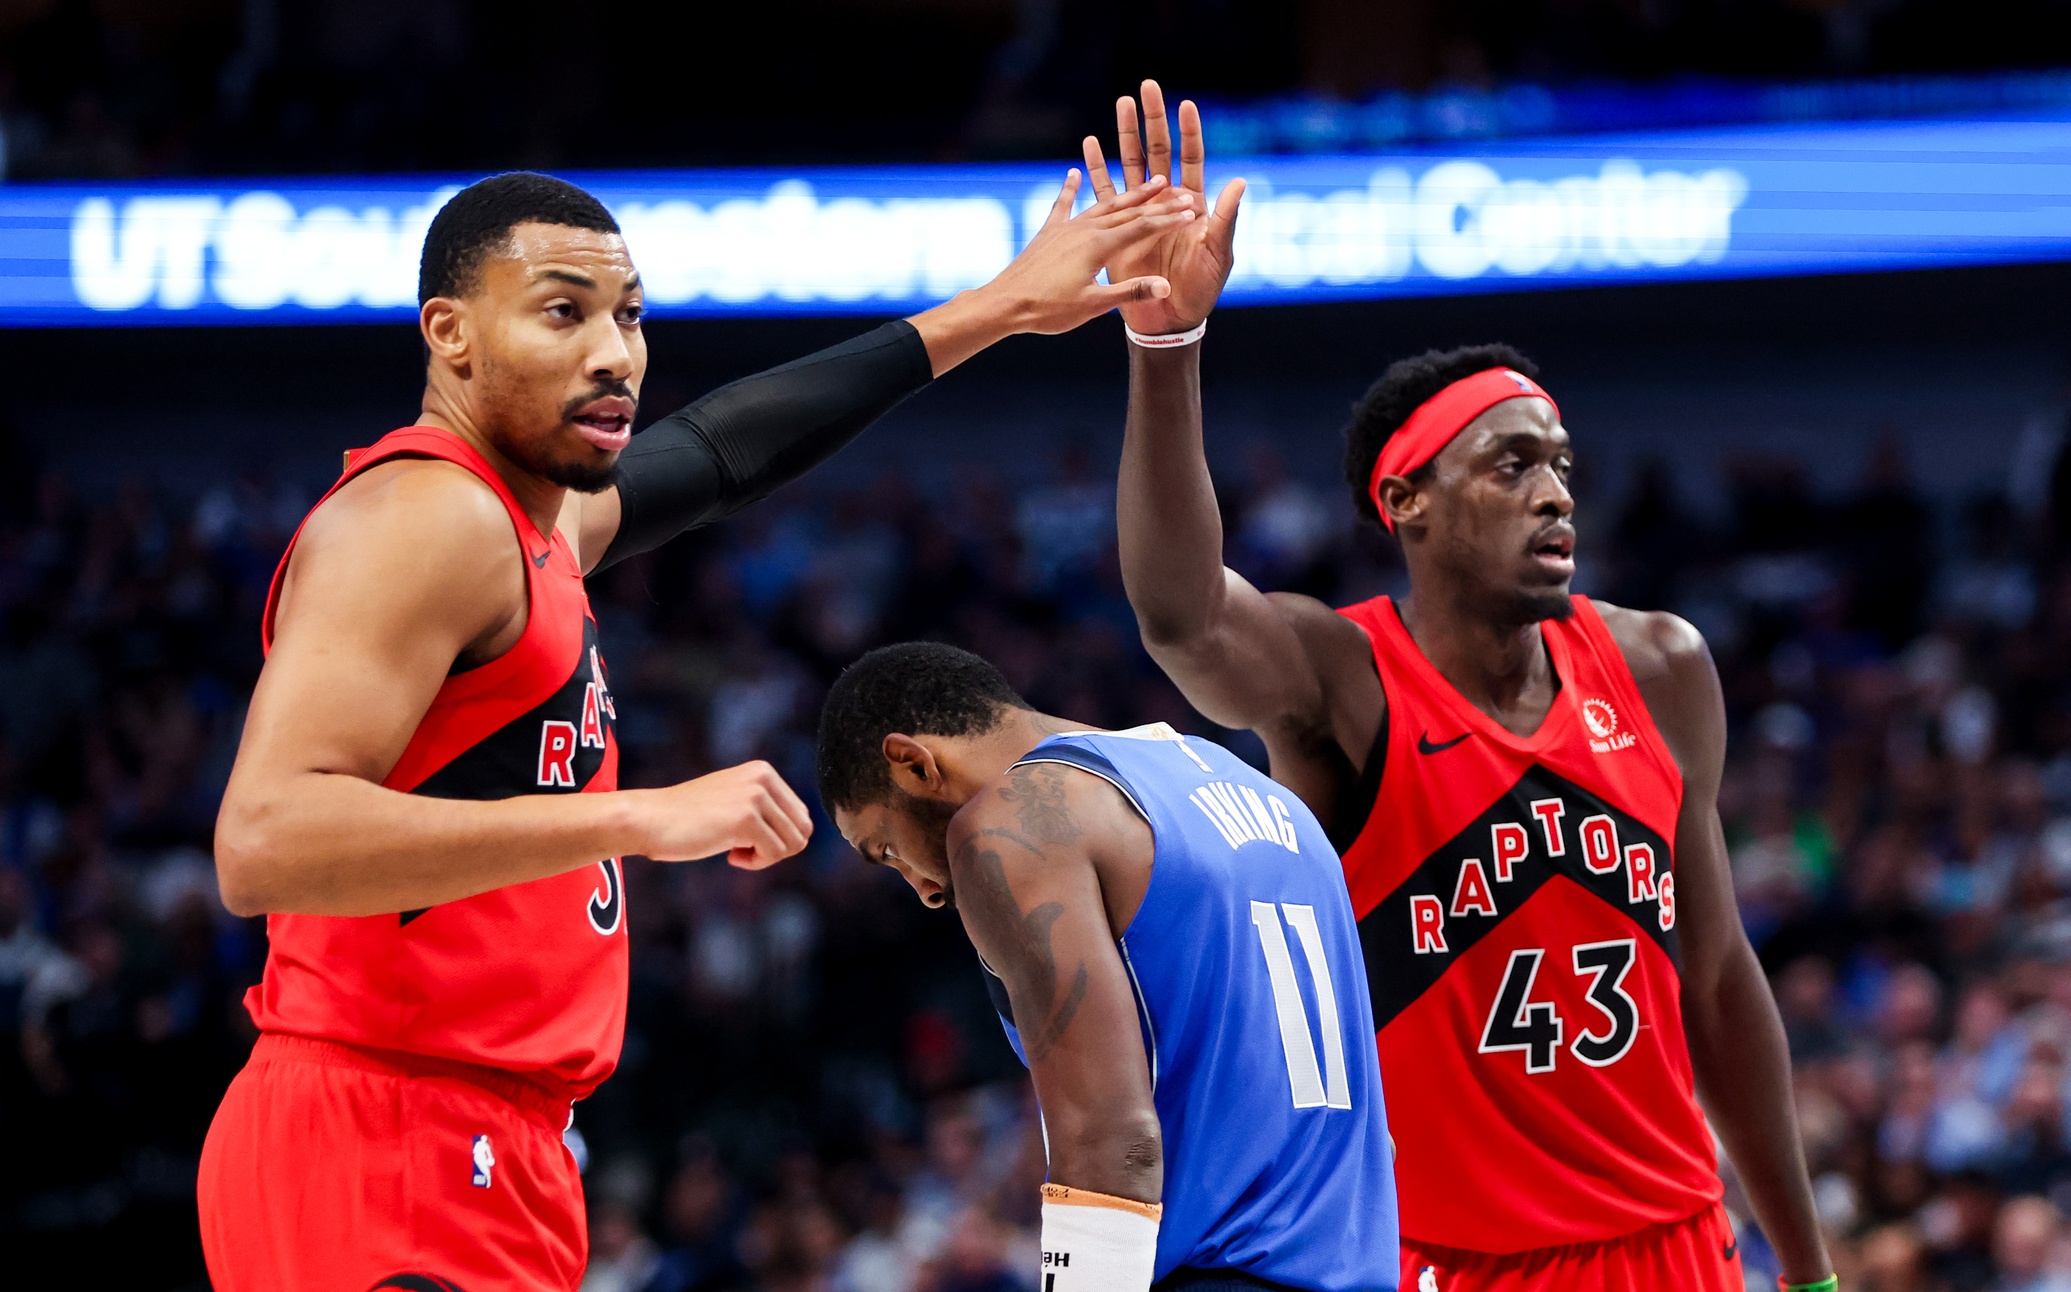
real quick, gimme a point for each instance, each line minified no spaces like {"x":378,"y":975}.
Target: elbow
{"x":1174,"y":621}
{"x":1166,"y":628}
{"x":1175,"y":634}
{"x":241,"y":850}
{"x":1123,"y":1156}
{"x":1143,"y":1157}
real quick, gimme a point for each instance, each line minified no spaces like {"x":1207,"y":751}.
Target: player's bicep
{"x":1689,"y":708}
{"x":1034,"y":909}
{"x":1707,"y":914}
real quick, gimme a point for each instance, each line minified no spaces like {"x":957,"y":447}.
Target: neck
{"x":1500,"y":668}
{"x":987,"y":757}
{"x":541,"y":498}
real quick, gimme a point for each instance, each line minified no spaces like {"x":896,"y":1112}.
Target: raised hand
{"x":1195,"y":258}
{"x":1053,"y":285}
{"x":1055,"y":279}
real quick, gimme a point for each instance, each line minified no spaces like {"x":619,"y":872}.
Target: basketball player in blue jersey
{"x":1167,"y":936}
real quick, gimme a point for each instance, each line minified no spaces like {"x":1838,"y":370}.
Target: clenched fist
{"x":746,"y":812}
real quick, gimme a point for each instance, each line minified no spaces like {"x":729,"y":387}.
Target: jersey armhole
{"x":1093,"y":764}
{"x":1629,"y":693}
{"x":1356,"y":808}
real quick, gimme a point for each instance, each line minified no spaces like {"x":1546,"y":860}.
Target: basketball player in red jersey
{"x":1525,"y":783}
{"x":425,"y":801}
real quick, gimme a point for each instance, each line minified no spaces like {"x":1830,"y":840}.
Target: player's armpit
{"x":1025,"y":864}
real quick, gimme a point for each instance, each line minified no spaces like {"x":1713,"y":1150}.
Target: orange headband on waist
{"x":1438,"y":419}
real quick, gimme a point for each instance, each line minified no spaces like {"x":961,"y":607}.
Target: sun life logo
{"x":1602,"y":721}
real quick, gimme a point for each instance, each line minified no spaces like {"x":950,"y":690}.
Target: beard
{"x":580,"y":476}
{"x":1536,"y":605}
{"x":536,"y":455}
{"x":538,"y":459}
{"x":1515,"y":603}
{"x":933,"y":818}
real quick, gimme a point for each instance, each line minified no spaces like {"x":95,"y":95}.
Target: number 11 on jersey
{"x":1311,"y":1086}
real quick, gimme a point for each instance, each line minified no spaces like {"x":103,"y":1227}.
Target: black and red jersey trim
{"x":1461,"y":880}
{"x":556,"y":747}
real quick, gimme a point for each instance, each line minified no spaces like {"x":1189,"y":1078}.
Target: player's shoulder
{"x":1658,"y":646}
{"x":1677,"y":680}
{"x":414,"y":540}
{"x":1044,"y":808}
{"x":425,"y":510}
{"x":428,"y":494}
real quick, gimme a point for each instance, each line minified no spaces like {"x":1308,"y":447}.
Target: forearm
{"x":1169,"y":525}
{"x":1743,"y":1072}
{"x":330,"y":844}
{"x":745,"y":440}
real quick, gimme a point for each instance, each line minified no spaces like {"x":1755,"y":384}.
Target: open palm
{"x":1195,"y":258}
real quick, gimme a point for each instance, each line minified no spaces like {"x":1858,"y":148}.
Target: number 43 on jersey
{"x":1517,"y":1022}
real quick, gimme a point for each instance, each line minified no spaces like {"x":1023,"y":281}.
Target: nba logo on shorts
{"x":485,"y":1159}
{"x":1428,"y":1280}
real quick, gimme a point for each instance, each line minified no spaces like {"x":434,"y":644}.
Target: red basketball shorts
{"x":335,"y":1169}
{"x":1694,"y":1255}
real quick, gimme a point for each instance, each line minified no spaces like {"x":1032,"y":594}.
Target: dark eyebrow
{"x":566,"y":276}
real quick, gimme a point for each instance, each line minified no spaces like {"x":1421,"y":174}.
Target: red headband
{"x":1438,"y":419}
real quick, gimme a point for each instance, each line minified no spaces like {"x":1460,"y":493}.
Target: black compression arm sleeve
{"x":738,"y":444}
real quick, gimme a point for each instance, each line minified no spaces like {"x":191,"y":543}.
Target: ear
{"x":1401,"y":501}
{"x":914,"y":768}
{"x":445,"y":326}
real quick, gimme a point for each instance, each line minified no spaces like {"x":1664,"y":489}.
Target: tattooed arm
{"x":1046,"y":865}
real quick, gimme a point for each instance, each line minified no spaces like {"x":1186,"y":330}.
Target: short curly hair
{"x":916,"y":688}
{"x":1406,"y":384}
{"x":477,"y":222}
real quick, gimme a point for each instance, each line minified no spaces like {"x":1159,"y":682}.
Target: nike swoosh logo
{"x":1732,"y":1249}
{"x":1424,"y":745}
{"x":541,"y":559}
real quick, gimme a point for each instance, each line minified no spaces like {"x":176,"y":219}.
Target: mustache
{"x":606,"y":389}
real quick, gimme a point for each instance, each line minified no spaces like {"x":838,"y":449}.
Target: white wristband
{"x":1093,"y":1242}
{"x":1167,"y":340}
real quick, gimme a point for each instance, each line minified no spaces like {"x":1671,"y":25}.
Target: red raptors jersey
{"x":1516,"y":897}
{"x":531,"y":978}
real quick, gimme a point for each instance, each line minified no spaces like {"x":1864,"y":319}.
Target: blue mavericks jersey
{"x":1251,"y":987}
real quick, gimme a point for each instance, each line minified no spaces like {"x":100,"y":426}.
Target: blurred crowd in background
{"x":113,"y":88}
{"x":814,"y":1096}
